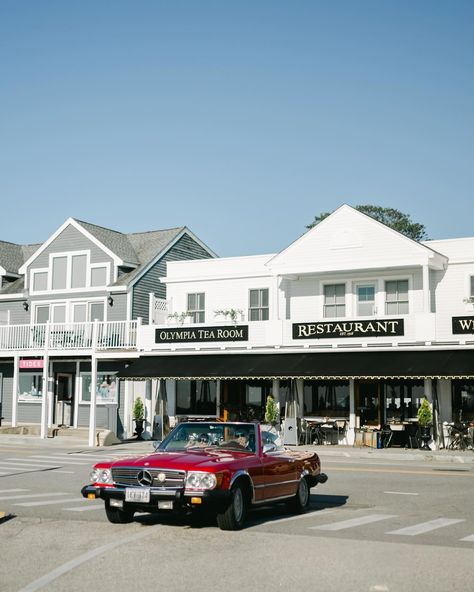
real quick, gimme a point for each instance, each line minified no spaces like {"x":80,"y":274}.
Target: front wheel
{"x":232,"y":518}
{"x":117,"y":515}
{"x":300,"y":502}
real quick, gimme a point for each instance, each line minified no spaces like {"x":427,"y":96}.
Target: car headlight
{"x":101,"y":476}
{"x":200,"y":480}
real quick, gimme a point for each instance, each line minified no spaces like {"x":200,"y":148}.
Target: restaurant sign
{"x":325,"y":330}
{"x":202,"y":334}
{"x":463,"y":325}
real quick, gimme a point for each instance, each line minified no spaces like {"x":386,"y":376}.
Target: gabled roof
{"x":348,"y":238}
{"x":136,"y":250}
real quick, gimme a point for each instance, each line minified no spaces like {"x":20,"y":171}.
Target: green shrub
{"x":425,"y":415}
{"x":138,"y":409}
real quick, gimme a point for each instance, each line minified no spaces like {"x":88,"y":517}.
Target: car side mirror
{"x":270,"y":447}
{"x":156,"y":444}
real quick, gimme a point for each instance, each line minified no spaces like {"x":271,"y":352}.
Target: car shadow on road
{"x":264,"y":514}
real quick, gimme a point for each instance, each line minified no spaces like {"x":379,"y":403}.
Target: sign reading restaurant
{"x":463,"y":325}
{"x":194,"y":334}
{"x":322,"y":330}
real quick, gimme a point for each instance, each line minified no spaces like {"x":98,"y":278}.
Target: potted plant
{"x":138,"y":416}
{"x":232,"y":313}
{"x":180,"y":317}
{"x":272,"y":412}
{"x":425,"y":417}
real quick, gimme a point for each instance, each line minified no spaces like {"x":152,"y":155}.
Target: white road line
{"x":70,"y":565}
{"x":85,"y":508}
{"x":33,"y":463}
{"x":292,"y":518}
{"x":12,"y":490}
{"x":426,"y":526}
{"x":3,"y":474}
{"x":11,"y":465}
{"x":469,"y":539}
{"x":14,"y":497}
{"x":353,"y":522}
{"x":64,"y":472}
{"x":401,"y":493}
{"x":48,"y":503}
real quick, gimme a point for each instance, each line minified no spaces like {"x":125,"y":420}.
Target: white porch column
{"x":50,"y":390}
{"x":352,"y":413}
{"x":16,"y":376}
{"x":45,"y":397}
{"x":45,"y":386}
{"x":276,"y":298}
{"x":127,"y":410}
{"x":148,"y":424}
{"x":77,"y":393}
{"x":426,"y":289}
{"x":218,"y":399}
{"x":93,"y":402}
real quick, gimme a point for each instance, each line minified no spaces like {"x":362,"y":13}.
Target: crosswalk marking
{"x":352,"y":522}
{"x":426,"y":526}
{"x":469,"y":539}
{"x":85,"y":508}
{"x":12,"y":490}
{"x":14,"y":497}
{"x":34,"y":463}
{"x":62,"y":460}
{"x":48,"y":503}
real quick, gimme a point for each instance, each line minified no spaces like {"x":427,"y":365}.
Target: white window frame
{"x":361,"y":284}
{"x":334,"y":283}
{"x":196,"y":311}
{"x":396,"y":279}
{"x":69,"y":255}
{"x":260,"y":308}
{"x":70,"y":303}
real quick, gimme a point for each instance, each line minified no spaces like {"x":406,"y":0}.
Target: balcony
{"x":58,"y":337}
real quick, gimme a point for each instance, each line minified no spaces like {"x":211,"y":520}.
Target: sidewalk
{"x":137,"y":447}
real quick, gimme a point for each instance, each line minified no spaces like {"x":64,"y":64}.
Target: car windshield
{"x":239,"y":437}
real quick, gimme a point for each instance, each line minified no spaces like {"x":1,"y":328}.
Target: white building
{"x":353,"y":321}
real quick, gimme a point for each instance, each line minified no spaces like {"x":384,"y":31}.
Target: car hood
{"x":186,"y":460}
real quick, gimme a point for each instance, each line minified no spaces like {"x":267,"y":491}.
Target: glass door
{"x":365,"y":294}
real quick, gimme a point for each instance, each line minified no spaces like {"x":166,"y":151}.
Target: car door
{"x":280,"y":471}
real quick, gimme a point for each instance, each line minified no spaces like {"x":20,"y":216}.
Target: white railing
{"x":69,"y":336}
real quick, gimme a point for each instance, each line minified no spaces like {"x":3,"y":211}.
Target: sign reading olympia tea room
{"x":375,"y":328}
{"x":462,"y":325}
{"x":194,"y":334}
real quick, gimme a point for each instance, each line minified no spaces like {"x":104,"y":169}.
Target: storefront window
{"x":326,"y":398}
{"x":106,"y":387}
{"x":196,"y":397}
{"x":463,"y":400}
{"x":256,"y":393}
{"x":30,"y":389}
{"x":402,"y":398}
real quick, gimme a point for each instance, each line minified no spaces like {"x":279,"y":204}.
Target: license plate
{"x":141,"y":495}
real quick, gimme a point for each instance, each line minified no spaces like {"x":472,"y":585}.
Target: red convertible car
{"x":222,"y":467}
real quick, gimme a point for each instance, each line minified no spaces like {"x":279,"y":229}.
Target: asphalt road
{"x":378,"y":525}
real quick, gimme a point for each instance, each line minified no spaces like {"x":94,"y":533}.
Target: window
{"x":396,"y":297}
{"x":40,"y":281}
{"x":402,"y":398}
{"x":366,"y":300}
{"x":258,"y":305}
{"x":59,"y":269}
{"x":196,"y":307}
{"x":96,"y":311}
{"x":42,"y":314}
{"x":30,"y":387}
{"x":98,"y":276}
{"x":326,"y":398}
{"x":462,"y":400}
{"x":79,"y":271}
{"x":196,"y":397}
{"x":472,"y":286}
{"x":106,"y":387}
{"x":335,"y":300}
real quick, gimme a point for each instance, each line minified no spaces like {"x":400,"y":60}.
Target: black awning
{"x":367,"y":364}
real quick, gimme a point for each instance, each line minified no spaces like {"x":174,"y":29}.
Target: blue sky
{"x":242,"y":120}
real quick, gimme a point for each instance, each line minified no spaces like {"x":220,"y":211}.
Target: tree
{"x":390,"y":217}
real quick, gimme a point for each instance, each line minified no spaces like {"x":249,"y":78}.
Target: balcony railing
{"x":69,"y":336}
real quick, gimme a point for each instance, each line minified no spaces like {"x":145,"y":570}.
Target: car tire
{"x":300,"y":502}
{"x":233,"y":517}
{"x":118,"y":516}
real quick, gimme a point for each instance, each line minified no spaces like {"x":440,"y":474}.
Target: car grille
{"x":129,"y":476}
